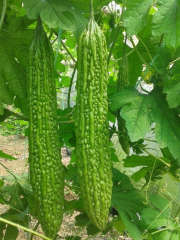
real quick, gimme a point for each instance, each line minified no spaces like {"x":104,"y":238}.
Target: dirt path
{"x":17,"y":147}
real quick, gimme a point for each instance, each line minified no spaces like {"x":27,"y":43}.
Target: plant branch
{"x":23,"y":228}
{"x":160,"y":230}
{"x":147,"y":50}
{"x":70,"y":87}
{"x":3,"y":13}
{"x":159,"y":159}
{"x":67,"y":50}
{"x":138,"y":53}
{"x":70,"y":121}
{"x":54,"y":40}
{"x":34,"y":229}
{"x":92,"y":9}
{"x":7,"y":169}
{"x":126,"y":55}
{"x":8,"y":113}
{"x":113,"y":44}
{"x":161,"y":40}
{"x":142,"y":58}
{"x":165,"y":208}
{"x":17,"y":115}
{"x":50,"y":35}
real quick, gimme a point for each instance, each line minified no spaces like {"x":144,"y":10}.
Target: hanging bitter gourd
{"x":46,"y":170}
{"x":92,"y":134}
{"x":123,"y":82}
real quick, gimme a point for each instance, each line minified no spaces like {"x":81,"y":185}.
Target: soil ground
{"x":18,"y":147}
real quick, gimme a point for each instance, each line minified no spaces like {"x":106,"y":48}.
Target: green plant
{"x":46,"y":171}
{"x":123,"y":82}
{"x":143,"y":39}
{"x":92,"y":135}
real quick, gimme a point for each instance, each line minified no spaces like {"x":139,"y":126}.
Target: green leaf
{"x":60,"y":67}
{"x":130,"y":201}
{"x":131,"y":227}
{"x":136,"y":15}
{"x":163,"y":235}
{"x":161,"y":59}
{"x":123,"y":97}
{"x":14,"y":45}
{"x":2,"y":227}
{"x":16,"y":216}
{"x":67,"y":134}
{"x":172,"y":86}
{"x":74,"y":205}
{"x":118,"y":225}
{"x":65,"y":81}
{"x":159,"y":216}
{"x":11,"y":233}
{"x":1,"y":109}
{"x":56,"y":14}
{"x":81,"y":220}
{"x":167,"y":125}
{"x":173,"y":95}
{"x":134,"y":161}
{"x":137,"y":117}
{"x":161,"y":203}
{"x":134,"y":70}
{"x":114,"y":157}
{"x":85,"y":5}
{"x":73,"y":238}
{"x":175,"y":235}
{"x":121,"y":181}
{"x":6,"y":156}
{"x":167,"y":22}
{"x":154,"y":218}
{"x":140,"y":174}
{"x":1,"y":183}
{"x":92,"y":230}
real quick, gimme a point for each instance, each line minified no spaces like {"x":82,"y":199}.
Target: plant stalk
{"x":3,"y":13}
{"x":23,"y":228}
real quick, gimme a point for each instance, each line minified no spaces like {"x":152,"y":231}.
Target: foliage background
{"x":143,"y":39}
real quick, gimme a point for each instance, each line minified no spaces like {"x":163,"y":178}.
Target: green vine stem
{"x":118,"y":28}
{"x":69,"y":53}
{"x":70,"y":87}
{"x":12,"y":174}
{"x":34,"y":229}
{"x":92,"y":9}
{"x":23,"y":228}
{"x":3,"y":13}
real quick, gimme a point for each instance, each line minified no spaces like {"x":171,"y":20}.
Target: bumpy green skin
{"x":92,"y":133}
{"x":46,"y":170}
{"x":123,"y":82}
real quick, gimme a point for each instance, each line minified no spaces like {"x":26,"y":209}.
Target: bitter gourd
{"x":92,"y":134}
{"x":123,"y":82}
{"x":46,"y":170}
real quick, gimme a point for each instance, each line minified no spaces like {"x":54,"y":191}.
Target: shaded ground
{"x":18,"y":147}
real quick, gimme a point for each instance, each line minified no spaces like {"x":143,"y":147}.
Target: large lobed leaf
{"x":128,"y":202}
{"x":172,"y":86}
{"x":140,"y":111}
{"x":166,"y":22}
{"x":167,"y":125}
{"x":14,"y":45}
{"x":56,"y":14}
{"x":136,"y":15}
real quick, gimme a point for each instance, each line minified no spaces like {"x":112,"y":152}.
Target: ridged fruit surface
{"x":94,"y":163}
{"x":46,"y":170}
